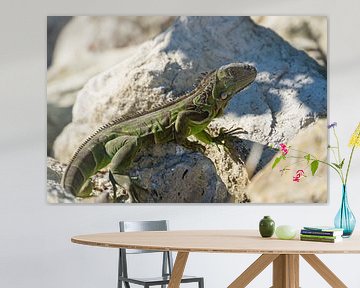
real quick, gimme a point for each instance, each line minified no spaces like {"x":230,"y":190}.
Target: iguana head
{"x":232,"y":78}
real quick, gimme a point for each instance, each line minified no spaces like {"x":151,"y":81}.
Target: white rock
{"x":308,"y":33}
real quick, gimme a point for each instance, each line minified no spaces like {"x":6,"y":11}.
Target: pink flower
{"x":300,"y":172}
{"x":284,"y":149}
{"x":298,"y":175}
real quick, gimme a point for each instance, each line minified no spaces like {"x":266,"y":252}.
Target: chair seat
{"x":158,"y":280}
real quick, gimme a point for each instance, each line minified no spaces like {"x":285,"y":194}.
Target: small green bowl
{"x":285,"y":232}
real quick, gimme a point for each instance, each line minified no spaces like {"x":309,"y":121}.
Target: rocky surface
{"x":174,"y":176}
{"x":270,"y":186}
{"x":288,"y":94}
{"x":308,"y":33}
{"x":85,"y":47}
{"x":55,"y":193}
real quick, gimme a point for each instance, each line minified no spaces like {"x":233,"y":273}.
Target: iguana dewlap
{"x":117,"y":142}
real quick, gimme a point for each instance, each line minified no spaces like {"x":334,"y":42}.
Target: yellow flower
{"x":355,"y":138}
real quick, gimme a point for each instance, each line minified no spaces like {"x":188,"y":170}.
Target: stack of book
{"x":321,"y":234}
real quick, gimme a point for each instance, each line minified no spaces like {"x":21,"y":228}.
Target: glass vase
{"x":345,"y":219}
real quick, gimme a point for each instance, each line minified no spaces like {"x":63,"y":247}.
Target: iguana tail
{"x":87,"y":160}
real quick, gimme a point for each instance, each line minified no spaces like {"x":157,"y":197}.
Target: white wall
{"x":35,"y":248}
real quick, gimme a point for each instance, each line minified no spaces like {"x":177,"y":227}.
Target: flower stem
{"x":332,"y":166}
{"x":339,"y":171}
{"x":333,"y":152}
{"x":351,"y":155}
{"x":348,"y":167}
{"x":339,"y":162}
{"x":323,"y":162}
{"x":337,"y":143}
{"x":297,"y":162}
{"x":300,"y":151}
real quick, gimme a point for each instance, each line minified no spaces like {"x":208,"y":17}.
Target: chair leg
{"x":201,"y":283}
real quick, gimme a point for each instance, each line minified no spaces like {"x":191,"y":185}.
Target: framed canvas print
{"x":166,"y":109}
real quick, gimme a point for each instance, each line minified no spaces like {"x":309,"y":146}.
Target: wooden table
{"x":284,"y":254}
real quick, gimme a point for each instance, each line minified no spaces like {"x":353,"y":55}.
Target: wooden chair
{"x":167,"y":263}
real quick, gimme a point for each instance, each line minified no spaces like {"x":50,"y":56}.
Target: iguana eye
{"x":223,"y":95}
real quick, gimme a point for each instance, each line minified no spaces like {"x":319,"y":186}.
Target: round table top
{"x":220,"y":241}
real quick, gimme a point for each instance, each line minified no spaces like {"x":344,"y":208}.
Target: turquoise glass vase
{"x":345,"y":219}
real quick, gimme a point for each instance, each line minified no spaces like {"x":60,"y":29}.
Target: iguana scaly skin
{"x":117,"y":142}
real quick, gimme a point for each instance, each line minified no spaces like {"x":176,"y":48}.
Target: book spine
{"x":318,"y":239}
{"x":319,"y":236}
{"x":320,"y":233}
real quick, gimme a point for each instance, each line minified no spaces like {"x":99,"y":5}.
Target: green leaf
{"x":314,"y":166}
{"x":276,"y":162}
{"x":307,"y":157}
{"x":336,"y":165}
{"x":339,"y":166}
{"x":342,"y":163}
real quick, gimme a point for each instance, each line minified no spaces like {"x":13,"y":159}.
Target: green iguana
{"x":117,"y":142}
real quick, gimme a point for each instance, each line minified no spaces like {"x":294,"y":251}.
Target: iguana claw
{"x":226,"y":138}
{"x":225,"y":133}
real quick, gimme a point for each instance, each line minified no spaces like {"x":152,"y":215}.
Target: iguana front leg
{"x":224,"y":138}
{"x":183,"y":124}
{"x":123,"y":150}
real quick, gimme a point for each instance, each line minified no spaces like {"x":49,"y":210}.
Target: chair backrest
{"x":133,"y":226}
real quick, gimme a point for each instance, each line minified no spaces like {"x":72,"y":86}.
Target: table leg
{"x":253,"y":270}
{"x":286,"y":271}
{"x":324,"y":271}
{"x":178,"y":269}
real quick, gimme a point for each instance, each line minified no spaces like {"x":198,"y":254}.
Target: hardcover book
{"x":324,"y":239}
{"x":322,"y":231}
